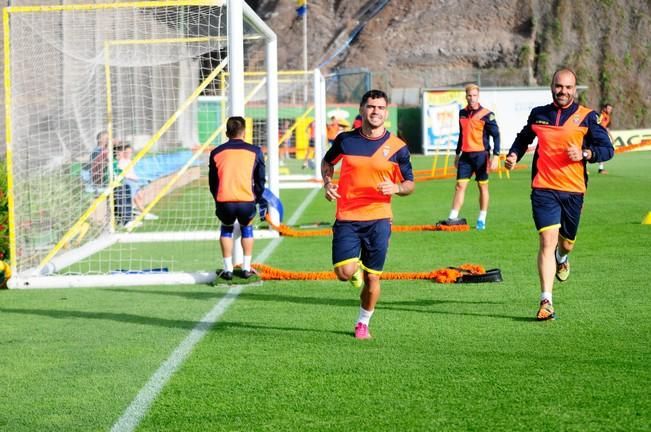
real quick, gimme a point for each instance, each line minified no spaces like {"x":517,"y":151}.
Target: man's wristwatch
{"x":585,"y":154}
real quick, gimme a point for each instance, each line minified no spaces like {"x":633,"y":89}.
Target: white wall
{"x":440,"y":110}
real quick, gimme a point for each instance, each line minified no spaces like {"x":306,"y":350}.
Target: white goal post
{"x":301,"y":110}
{"x":85,"y":84}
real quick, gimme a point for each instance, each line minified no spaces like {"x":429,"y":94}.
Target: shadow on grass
{"x":433,"y":302}
{"x":229,"y":325}
{"x":403,"y":306}
{"x":161,"y":322}
{"x":106,"y":316}
{"x":474,"y":314}
{"x":280,"y":298}
{"x":352,"y":302}
{"x":205,"y":295}
{"x":192,"y":295}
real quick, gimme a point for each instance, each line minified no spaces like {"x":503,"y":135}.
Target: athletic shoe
{"x":546,"y":311}
{"x":563,"y":270}
{"x":481,"y":225}
{"x":151,"y":216}
{"x":452,"y":222}
{"x":361,"y":331}
{"x":603,"y":171}
{"x":226,"y":275}
{"x":357,"y":279}
{"x":247,"y":274}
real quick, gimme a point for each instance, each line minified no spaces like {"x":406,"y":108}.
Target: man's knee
{"x":226,"y":231}
{"x":343,"y":274}
{"x":247,"y":231}
{"x":373,"y":277}
{"x":548,"y":239}
{"x":346,"y":271}
{"x":565,"y":244}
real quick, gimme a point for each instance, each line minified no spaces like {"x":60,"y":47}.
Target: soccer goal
{"x":301,"y":122}
{"x":107,"y":171}
{"x":302,"y":125}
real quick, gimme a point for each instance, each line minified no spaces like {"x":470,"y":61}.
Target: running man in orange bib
{"x":569,"y":136}
{"x":375,"y":165}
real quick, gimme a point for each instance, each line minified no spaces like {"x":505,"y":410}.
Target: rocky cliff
{"x":432,"y":43}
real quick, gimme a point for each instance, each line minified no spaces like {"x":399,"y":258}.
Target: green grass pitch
{"x":443,"y":357}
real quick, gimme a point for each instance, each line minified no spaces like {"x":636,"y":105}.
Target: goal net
{"x":106,"y":150}
{"x":301,"y":139}
{"x":301,"y":125}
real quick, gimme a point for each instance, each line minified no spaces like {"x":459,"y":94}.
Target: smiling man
{"x":375,"y":165}
{"x":569,"y":136}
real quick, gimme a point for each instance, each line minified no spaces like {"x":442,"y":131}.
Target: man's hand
{"x":510,"y":161}
{"x":388,"y":188}
{"x":574,"y":153}
{"x":331,"y":193}
{"x":456,"y":161}
{"x":494,"y":163}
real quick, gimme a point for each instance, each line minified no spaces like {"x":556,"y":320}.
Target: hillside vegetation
{"x":433,"y":43}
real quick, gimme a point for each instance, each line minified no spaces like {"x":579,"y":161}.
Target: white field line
{"x":134,"y":413}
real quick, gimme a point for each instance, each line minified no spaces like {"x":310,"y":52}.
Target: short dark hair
{"x":564,"y":69}
{"x":100,"y":133}
{"x":120,"y":147}
{"x":235,"y":126}
{"x":373,"y":94}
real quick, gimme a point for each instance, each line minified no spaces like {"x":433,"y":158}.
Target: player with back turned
{"x":236,"y":175}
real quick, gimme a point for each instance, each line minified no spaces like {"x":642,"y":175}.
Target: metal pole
{"x":235,"y":58}
{"x":305,"y":39}
{"x":236,"y":90}
{"x":272,"y":115}
{"x":305,"y":87}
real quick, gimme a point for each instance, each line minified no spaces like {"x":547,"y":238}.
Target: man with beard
{"x":569,"y":136}
{"x":375,"y":165}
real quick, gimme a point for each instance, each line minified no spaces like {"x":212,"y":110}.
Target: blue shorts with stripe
{"x":473,"y":163}
{"x":229,"y":212}
{"x":366,"y":240}
{"x":553,"y":208}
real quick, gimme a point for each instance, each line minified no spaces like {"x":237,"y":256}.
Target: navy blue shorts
{"x":367,"y":241}
{"x":229,"y":212}
{"x":556,"y":209}
{"x":473,"y":163}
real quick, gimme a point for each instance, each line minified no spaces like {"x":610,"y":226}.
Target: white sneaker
{"x":151,"y":216}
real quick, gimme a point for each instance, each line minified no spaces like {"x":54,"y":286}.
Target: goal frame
{"x":42,"y":276}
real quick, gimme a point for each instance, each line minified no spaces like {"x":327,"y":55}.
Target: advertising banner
{"x":625,"y":138}
{"x":511,"y":106}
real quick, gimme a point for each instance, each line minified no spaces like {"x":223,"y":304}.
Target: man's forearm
{"x":406,"y":187}
{"x":327,"y":171}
